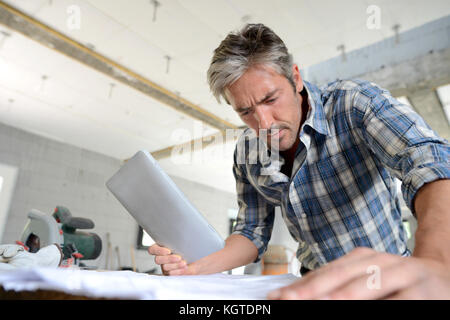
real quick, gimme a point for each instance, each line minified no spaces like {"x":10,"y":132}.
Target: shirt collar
{"x":316,"y":118}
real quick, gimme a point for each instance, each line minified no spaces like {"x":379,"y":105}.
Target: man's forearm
{"x":432,"y":206}
{"x":238,"y":251}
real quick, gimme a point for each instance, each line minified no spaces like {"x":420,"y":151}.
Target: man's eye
{"x":271,"y":100}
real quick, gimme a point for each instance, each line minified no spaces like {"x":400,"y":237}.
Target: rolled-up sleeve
{"x":402,"y":141}
{"x":256,"y":216}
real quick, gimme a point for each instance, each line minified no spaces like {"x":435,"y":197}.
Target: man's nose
{"x":264,"y":117}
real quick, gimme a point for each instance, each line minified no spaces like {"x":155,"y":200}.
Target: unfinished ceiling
{"x":54,"y":95}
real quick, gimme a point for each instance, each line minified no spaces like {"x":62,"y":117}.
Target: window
{"x":144,"y":240}
{"x":444,"y":96}
{"x":8,"y":176}
{"x":232,"y":223}
{"x":404,"y":100}
{"x":232,"y":217}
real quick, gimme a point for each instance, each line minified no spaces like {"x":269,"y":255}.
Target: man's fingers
{"x":328,"y":277}
{"x":407,"y":278}
{"x":372,"y":277}
{"x":158,"y":250}
{"x":171,"y":264}
{"x":167,"y":268}
{"x":189,"y":269}
{"x":173,"y":258}
{"x":383,"y":282}
{"x":178,"y":272}
{"x":421,"y":290}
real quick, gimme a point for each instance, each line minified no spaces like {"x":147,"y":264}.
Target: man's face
{"x":265,"y":99}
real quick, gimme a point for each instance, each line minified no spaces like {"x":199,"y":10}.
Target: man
{"x":340,"y":148}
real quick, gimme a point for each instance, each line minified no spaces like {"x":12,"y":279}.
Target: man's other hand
{"x":367,"y":274}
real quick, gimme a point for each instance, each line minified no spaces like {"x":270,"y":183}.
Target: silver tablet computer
{"x":162,"y":210}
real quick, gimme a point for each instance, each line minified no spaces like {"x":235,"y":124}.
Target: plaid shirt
{"x":341,"y":194}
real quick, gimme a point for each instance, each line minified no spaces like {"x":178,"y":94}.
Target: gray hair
{"x":254,"y":44}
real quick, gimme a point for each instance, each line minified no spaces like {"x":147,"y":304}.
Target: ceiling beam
{"x":49,"y":37}
{"x":203,"y":142}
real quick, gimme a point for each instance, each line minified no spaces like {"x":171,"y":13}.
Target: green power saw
{"x":61,"y":228}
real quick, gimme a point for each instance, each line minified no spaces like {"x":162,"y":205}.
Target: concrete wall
{"x":51,"y":173}
{"x":415,"y":43}
{"x":412,"y":67}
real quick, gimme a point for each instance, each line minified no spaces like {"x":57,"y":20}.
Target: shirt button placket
{"x":293,"y":195}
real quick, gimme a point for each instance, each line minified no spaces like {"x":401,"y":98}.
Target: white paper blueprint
{"x":132,"y":285}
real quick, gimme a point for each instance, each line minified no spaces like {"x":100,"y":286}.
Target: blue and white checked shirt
{"x":341,"y":194}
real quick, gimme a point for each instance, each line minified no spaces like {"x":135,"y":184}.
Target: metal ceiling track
{"x":47,"y":36}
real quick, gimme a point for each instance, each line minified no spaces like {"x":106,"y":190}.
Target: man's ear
{"x":297,"y":78}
